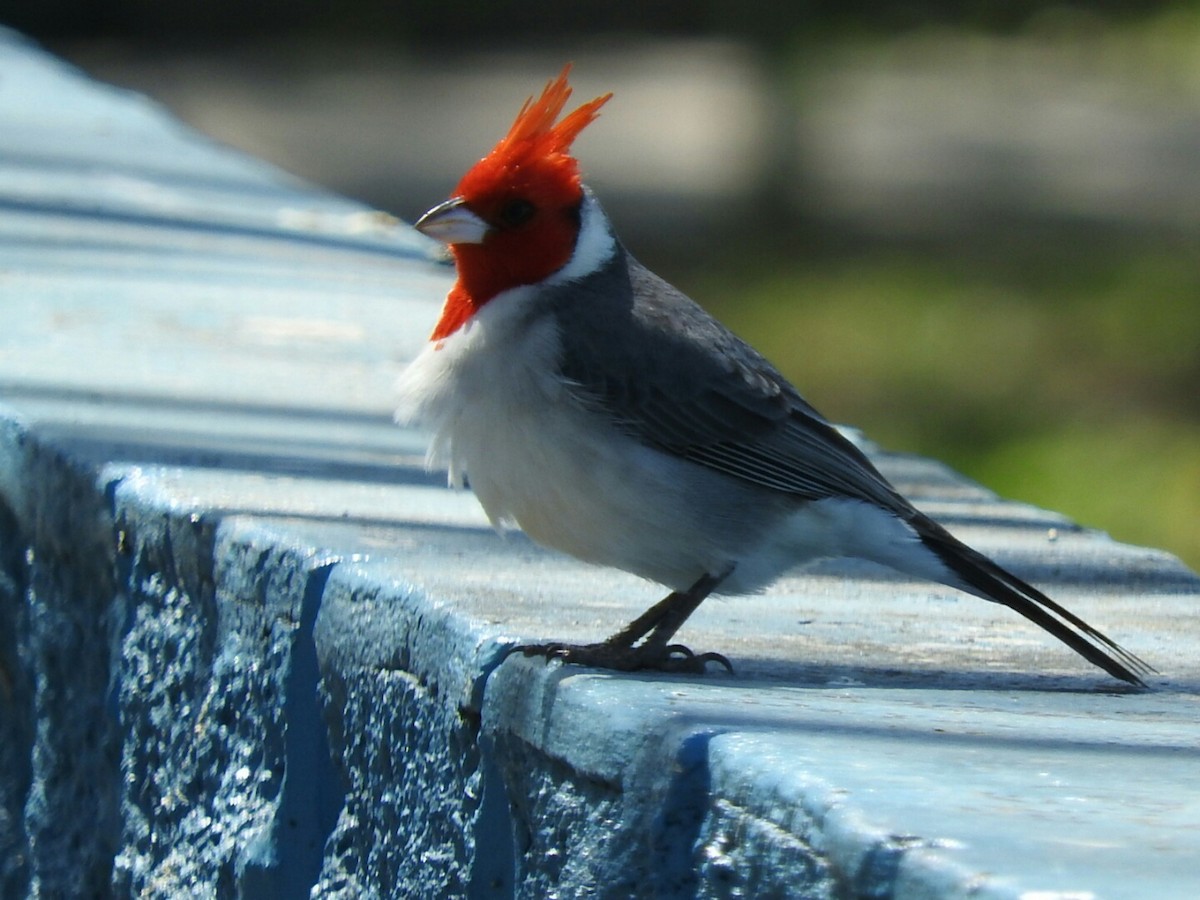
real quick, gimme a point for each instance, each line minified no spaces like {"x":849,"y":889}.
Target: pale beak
{"x":452,"y":223}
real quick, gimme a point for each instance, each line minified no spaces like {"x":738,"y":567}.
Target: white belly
{"x":570,"y":486}
{"x":537,"y":458}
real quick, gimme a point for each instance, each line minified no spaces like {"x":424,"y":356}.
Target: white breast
{"x":537,"y":458}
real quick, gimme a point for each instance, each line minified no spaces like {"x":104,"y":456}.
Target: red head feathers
{"x":520,"y":204}
{"x":535,"y":139}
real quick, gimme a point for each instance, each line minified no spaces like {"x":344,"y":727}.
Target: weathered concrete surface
{"x":249,"y":648}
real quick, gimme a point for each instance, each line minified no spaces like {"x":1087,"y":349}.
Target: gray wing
{"x":673,"y":377}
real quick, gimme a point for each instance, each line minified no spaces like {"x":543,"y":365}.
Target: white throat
{"x":594,"y":247}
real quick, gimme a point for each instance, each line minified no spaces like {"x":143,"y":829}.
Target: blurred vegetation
{"x":1055,"y":362}
{"x":1067,"y":379}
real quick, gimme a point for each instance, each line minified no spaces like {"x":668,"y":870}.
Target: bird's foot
{"x":675,"y":658}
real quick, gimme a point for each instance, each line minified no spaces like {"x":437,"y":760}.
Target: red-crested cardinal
{"x":603,"y":412}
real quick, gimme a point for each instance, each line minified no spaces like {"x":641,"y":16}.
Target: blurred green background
{"x":971,"y":229}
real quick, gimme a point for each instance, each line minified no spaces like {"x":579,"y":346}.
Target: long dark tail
{"x":997,"y":584}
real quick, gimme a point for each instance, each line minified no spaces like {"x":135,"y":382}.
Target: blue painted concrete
{"x":248,"y":647}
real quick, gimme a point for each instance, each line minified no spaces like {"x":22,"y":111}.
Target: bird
{"x":594,"y":406}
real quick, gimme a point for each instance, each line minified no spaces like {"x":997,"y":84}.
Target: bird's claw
{"x":675,"y":658}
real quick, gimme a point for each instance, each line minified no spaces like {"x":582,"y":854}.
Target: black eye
{"x":516,"y":212}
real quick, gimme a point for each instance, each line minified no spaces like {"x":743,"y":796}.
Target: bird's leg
{"x":656,"y":626}
{"x":649,"y":621}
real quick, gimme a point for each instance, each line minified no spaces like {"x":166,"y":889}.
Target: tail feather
{"x":995,"y":583}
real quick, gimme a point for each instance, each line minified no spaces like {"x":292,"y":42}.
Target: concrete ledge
{"x":249,"y":648}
